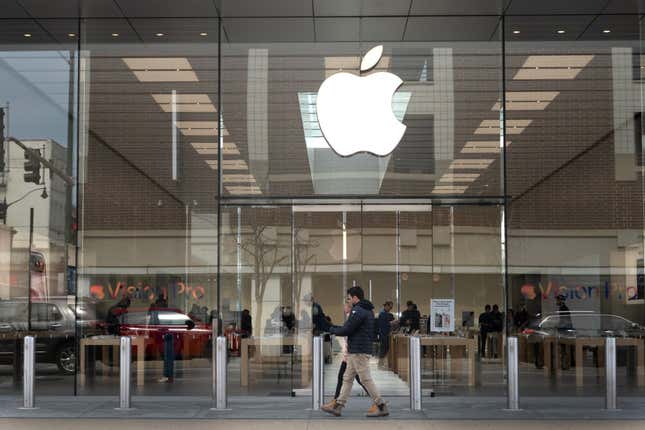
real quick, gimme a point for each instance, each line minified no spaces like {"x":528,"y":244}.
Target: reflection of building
{"x":49,"y":226}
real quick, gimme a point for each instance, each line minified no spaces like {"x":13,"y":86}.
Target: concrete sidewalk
{"x":133,"y":424}
{"x":269,"y":410}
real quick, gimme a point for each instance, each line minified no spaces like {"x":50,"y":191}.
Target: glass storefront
{"x":170,"y":180}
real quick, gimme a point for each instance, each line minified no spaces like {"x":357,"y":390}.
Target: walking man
{"x":359,"y":330}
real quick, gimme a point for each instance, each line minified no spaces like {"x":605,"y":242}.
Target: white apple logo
{"x":355,"y":113}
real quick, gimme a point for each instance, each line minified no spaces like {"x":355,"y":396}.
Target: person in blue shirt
{"x":383,"y":324}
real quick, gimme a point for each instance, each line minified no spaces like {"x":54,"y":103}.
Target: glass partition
{"x":148,"y":173}
{"x":575,"y":187}
{"x":38,"y":84}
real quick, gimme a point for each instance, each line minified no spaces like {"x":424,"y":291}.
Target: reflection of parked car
{"x":583,"y":324}
{"x":52,"y":324}
{"x":191,"y":339}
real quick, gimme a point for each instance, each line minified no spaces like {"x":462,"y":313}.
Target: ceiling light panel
{"x":527,"y":100}
{"x":241,"y":189}
{"x":158,"y":63}
{"x":552,"y":67}
{"x":459,"y":177}
{"x":482,"y":147}
{"x":229,"y":148}
{"x":183,"y":98}
{"x":449,"y":189}
{"x":165,"y":75}
{"x":468,"y":163}
{"x":183,"y":107}
{"x":238,"y":178}
{"x":513,"y":126}
{"x":229,"y":164}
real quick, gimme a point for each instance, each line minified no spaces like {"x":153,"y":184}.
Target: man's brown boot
{"x":378,"y":410}
{"x":330,"y":405}
{"x":333,"y":408}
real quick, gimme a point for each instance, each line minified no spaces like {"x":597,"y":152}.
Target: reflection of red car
{"x":191,"y":339}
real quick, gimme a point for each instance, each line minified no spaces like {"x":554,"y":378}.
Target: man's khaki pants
{"x":358,"y":364}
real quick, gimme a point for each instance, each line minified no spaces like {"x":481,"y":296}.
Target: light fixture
{"x":203,"y":34}
{"x":482,"y":147}
{"x":527,"y":100}
{"x":449,"y":189}
{"x":159,"y":34}
{"x":242,"y":189}
{"x":71,"y":34}
{"x":471,"y":163}
{"x":552,"y":67}
{"x":516,"y":32}
{"x":459,"y":177}
{"x":27,"y":34}
{"x":606,"y":31}
{"x":513,"y":126}
{"x":159,"y":69}
{"x":560,"y":31}
{"x":115,"y":34}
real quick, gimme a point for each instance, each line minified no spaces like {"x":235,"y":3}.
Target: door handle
{"x":54,"y":326}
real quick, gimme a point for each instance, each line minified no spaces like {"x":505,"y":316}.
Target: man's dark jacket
{"x":383,"y":323}
{"x":359,"y":328}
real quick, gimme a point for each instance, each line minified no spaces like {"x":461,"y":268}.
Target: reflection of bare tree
{"x":301,"y":261}
{"x":264,"y":250}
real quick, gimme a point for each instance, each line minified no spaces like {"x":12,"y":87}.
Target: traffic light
{"x":2,"y":138}
{"x":32,"y":166}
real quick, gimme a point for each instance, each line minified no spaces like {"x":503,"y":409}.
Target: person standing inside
{"x":384,"y":324}
{"x":359,"y":330}
{"x":485,"y":326}
{"x":246,"y":323}
{"x":410,"y":318}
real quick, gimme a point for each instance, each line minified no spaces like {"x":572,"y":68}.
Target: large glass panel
{"x":149,"y":141}
{"x":464,"y":350}
{"x":449,"y":102}
{"x":575,"y":211}
{"x":270,"y":344}
{"x":38,"y":76}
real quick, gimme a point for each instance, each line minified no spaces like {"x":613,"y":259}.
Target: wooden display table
{"x":599,"y":342}
{"x":304,"y":342}
{"x":114,"y":342}
{"x":399,"y":352}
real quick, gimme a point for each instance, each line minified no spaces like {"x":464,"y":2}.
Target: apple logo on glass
{"x":355,"y":113}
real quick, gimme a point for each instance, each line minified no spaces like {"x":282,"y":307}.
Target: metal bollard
{"x":513,"y":374}
{"x":415,"y":373}
{"x":610,"y":372}
{"x":220,"y":360}
{"x":317,"y":393}
{"x":125,"y":375}
{"x":29,"y":362}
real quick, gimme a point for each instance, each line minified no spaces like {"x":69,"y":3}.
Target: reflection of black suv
{"x":52,"y":324}
{"x":584,"y":324}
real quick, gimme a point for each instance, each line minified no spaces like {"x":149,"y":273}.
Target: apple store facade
{"x":183,"y":170}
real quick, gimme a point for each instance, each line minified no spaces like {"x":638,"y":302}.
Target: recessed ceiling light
{"x":203,"y":34}
{"x":159,"y":34}
{"x":606,"y":31}
{"x":27,"y":34}
{"x":560,"y":31}
{"x":71,"y":34}
{"x":115,"y":34}
{"x":516,"y":32}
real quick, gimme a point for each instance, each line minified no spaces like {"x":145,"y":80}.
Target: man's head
{"x":487,"y":308}
{"x":388,"y":306}
{"x":560,"y":299}
{"x":355,"y":294}
{"x":495,"y":308}
{"x":410,"y":305}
